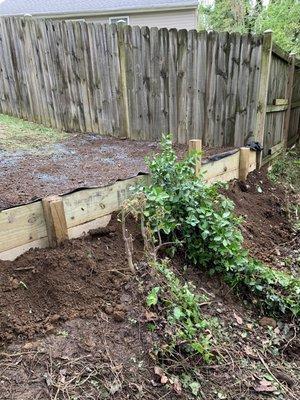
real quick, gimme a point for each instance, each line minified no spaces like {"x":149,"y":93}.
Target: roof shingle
{"x":41,"y":7}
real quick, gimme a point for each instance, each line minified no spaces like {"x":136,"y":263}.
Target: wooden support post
{"x":123,"y":76}
{"x":263,"y":90}
{"x":244,"y":163}
{"x":288,"y":95}
{"x":55,"y":220}
{"x":196,"y":145}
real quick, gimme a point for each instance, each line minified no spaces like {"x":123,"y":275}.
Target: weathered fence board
{"x":142,"y":82}
{"x":294,"y":122}
{"x":130,"y":81}
{"x":282,"y":120}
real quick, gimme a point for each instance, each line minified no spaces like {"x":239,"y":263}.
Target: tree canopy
{"x":281,"y":16}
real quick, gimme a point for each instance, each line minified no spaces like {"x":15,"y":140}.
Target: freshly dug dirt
{"x":78,"y":279}
{"x":81,"y":161}
{"x":267,"y":230}
{"x":74,"y":324}
{"x":70,"y":323}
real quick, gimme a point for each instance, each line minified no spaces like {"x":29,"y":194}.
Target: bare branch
{"x":128,"y":243}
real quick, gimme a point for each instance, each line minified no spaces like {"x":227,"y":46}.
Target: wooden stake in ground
{"x":55,"y":219}
{"x":196,"y":145}
{"x":244,"y":163}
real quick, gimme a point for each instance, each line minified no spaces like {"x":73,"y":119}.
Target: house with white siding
{"x":180,"y":14}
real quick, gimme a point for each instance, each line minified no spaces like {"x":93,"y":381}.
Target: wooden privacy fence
{"x":141,"y":82}
{"x":279,"y":101}
{"x":130,"y":81}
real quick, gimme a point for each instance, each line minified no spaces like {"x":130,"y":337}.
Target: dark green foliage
{"x":281,"y":16}
{"x":182,"y":208}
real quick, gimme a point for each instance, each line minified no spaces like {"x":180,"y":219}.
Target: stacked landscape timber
{"x":32,"y":225}
{"x":50,"y":221}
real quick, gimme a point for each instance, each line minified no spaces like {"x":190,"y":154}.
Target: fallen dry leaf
{"x":238,"y":319}
{"x":150,"y":316}
{"x":264,"y":386}
{"x":177,"y":386}
{"x":249,"y":351}
{"x":160,"y":372}
{"x":266,"y":321}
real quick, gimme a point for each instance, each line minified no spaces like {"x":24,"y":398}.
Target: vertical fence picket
{"x":142,"y":82}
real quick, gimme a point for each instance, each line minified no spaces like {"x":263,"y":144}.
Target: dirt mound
{"x":73,"y":321}
{"x":267,"y":230}
{"x":78,"y":279}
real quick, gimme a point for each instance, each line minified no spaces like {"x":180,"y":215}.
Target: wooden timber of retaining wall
{"x":50,"y":221}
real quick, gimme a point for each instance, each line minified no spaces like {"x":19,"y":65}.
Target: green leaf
{"x":152,"y":297}
{"x":178,"y":313}
{"x":195,"y":387}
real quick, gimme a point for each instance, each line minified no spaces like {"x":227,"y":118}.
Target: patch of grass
{"x":17,"y":134}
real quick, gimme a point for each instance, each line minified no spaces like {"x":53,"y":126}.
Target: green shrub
{"x":182,"y":208}
{"x":286,"y":169}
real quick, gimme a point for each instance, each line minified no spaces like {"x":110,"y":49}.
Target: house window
{"x":119,"y":20}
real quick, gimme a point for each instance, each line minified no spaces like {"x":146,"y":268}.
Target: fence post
{"x":55,"y":220}
{"x":244,"y":163}
{"x":124,"y":74}
{"x":263,"y":91}
{"x":288,"y":96}
{"x":196,"y":145}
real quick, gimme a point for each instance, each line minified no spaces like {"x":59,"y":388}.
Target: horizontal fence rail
{"x":139,"y":83}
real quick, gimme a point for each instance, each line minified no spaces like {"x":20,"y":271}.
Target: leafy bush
{"x":282,"y":16}
{"x":182,"y":208}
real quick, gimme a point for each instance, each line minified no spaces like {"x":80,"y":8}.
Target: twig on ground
{"x":128,"y":243}
{"x":283,"y":387}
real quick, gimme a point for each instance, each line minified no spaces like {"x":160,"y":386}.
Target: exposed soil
{"x":268,"y":233}
{"x":73,"y":321}
{"x":81,"y":161}
{"x":73,"y":314}
{"x":78,"y":279}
